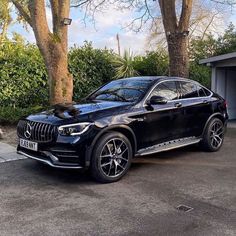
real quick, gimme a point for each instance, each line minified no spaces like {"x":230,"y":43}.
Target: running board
{"x":166,"y":146}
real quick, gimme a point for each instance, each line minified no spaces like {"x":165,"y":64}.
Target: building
{"x":223,"y":79}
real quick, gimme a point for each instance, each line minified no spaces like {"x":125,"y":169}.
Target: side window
{"x":201,"y":92}
{"x":207,"y":92}
{"x":189,"y":90}
{"x":167,"y":90}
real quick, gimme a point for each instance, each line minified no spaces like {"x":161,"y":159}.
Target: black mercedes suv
{"x":123,"y":119}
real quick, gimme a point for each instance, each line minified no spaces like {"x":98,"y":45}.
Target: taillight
{"x":225,"y":104}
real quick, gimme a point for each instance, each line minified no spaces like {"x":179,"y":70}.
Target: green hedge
{"x":152,"y":63}
{"x":90,"y":68}
{"x":11,"y":115}
{"x":23,"y":80}
{"x":200,"y":73}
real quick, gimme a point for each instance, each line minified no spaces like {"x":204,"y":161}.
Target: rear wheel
{"x":214,"y":135}
{"x":111,"y":157}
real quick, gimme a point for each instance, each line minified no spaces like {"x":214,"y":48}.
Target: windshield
{"x":125,"y":90}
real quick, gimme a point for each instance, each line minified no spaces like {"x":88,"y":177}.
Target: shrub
{"x":90,"y":68}
{"x":23,"y":79}
{"x":11,"y":115}
{"x":152,"y":63}
{"x":124,"y":65}
{"x":200,"y":73}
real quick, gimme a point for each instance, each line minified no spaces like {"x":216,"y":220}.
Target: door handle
{"x":178,"y":104}
{"x":205,"y":102}
{"x":141,"y":119}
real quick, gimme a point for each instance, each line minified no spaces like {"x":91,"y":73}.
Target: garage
{"x":223,"y":79}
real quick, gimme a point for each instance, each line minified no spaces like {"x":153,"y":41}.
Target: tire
{"x":110,"y":164}
{"x":213,"y":136}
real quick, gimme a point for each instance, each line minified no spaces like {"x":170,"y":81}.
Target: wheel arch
{"x":215,"y":115}
{"x":124,"y":129}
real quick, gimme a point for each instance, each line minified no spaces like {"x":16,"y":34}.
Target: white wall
{"x":231,"y":93}
{"x":224,"y":83}
{"x":220,"y":82}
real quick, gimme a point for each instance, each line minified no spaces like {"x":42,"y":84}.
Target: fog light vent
{"x":184,"y":208}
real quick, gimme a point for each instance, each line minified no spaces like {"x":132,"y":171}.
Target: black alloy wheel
{"x":111,"y":157}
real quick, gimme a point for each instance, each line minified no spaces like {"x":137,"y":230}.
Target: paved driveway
{"x":37,"y":200}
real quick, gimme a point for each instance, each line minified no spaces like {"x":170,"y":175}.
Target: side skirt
{"x":166,"y":146}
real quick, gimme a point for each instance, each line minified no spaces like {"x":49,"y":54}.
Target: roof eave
{"x":218,"y":58}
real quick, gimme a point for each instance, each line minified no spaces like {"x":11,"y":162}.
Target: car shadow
{"x":58,"y":175}
{"x":66,"y":176}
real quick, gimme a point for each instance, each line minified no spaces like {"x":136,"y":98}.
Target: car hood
{"x":78,"y":112}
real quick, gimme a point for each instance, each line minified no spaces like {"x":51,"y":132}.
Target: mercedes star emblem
{"x":28,"y":130}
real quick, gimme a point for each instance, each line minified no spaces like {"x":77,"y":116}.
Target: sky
{"x":103,"y":31}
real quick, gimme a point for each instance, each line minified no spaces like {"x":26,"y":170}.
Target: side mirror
{"x":155,"y":100}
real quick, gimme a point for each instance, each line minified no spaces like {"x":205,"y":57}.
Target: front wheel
{"x":111,"y":157}
{"x":214,"y":135}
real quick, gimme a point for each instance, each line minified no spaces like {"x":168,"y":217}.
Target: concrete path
{"x":8,"y":153}
{"x":232,"y":124}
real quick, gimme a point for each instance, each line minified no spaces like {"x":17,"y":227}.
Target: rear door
{"x":196,"y":107}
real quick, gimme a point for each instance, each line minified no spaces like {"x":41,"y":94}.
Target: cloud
{"x":102,"y":32}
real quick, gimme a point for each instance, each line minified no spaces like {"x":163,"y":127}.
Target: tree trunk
{"x":178,"y":55}
{"x":3,"y":34}
{"x":52,"y":45}
{"x":176,"y":30}
{"x":60,"y":80}
{"x":6,"y":22}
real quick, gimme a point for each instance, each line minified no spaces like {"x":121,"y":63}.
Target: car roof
{"x":153,"y":78}
{"x":158,"y":78}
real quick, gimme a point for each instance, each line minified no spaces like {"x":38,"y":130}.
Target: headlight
{"x":74,"y":129}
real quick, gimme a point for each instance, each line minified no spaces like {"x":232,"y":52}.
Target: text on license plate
{"x":29,"y":145}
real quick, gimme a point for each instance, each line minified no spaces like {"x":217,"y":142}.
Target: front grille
{"x":36,"y":131}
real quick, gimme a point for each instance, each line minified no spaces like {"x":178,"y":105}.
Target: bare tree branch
{"x":185,"y":15}
{"x":81,"y":3}
{"x":23,"y":11}
{"x":225,"y":2}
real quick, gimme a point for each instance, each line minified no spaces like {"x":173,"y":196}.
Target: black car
{"x":123,"y":119}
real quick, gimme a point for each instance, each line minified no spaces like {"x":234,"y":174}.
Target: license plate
{"x":29,"y":145}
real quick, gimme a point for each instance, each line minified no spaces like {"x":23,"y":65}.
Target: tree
{"x":206,"y":18}
{"x":177,"y":31}
{"x":202,"y":48}
{"x":53,"y":45}
{"x":175,"y":18}
{"x":5,"y":18}
{"x":226,"y":43}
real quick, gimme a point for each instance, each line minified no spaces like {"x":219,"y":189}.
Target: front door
{"x":161,"y":122}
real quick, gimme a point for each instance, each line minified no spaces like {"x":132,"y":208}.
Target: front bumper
{"x":67,"y":152}
{"x":49,"y":159}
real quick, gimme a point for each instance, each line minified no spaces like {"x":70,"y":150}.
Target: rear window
{"x":188,"y":90}
{"x":192,"y":90}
